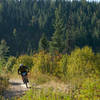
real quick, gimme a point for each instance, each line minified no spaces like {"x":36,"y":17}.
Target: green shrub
{"x":90,"y":89}
{"x":3,"y":84}
{"x":10,"y":63}
{"x":2,"y":64}
{"x":25,"y":60}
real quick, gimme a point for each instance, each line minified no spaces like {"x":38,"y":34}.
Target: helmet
{"x":21,"y":65}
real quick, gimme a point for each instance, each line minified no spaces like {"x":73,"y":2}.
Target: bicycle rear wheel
{"x":25,"y":80}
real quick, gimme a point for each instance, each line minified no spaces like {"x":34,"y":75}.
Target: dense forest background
{"x":60,"y":25}
{"x":59,"y":40}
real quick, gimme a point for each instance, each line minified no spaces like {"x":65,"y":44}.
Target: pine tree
{"x":70,"y":35}
{"x":43,"y":43}
{"x":57,"y":43}
{"x":4,"y":49}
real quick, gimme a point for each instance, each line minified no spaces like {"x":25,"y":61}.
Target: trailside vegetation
{"x":56,"y":39}
{"x":80,"y":70}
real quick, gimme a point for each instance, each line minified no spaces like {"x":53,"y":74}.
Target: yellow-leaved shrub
{"x":46,"y":63}
{"x":81,"y":61}
{"x":63,"y":66}
{"x":97,"y":62}
{"x":10,"y":63}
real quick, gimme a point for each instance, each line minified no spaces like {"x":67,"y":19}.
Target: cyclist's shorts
{"x":24,"y":73}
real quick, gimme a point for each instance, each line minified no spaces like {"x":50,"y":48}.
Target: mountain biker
{"x":23,"y":70}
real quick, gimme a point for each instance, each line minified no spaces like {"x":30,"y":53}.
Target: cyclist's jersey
{"x":23,"y":69}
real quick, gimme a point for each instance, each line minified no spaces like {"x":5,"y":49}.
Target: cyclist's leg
{"x":23,"y":78}
{"x":27,"y":78}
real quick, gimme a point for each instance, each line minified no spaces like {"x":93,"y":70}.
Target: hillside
{"x":22,"y":23}
{"x":58,"y":41}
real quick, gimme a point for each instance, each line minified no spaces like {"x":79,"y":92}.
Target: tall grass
{"x":41,"y":94}
{"x":50,"y":94}
{"x":3,"y":86}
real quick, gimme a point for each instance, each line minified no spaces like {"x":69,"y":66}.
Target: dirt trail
{"x":16,"y":89}
{"x":61,"y":87}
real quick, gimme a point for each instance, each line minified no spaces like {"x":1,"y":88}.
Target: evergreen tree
{"x":70,"y":35}
{"x":4,"y":49}
{"x":30,"y":18}
{"x":43,"y":43}
{"x":57,"y":43}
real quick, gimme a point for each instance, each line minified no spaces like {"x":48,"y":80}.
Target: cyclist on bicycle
{"x":23,"y":70}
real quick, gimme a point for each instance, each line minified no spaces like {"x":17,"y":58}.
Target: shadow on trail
{"x":11,"y":94}
{"x":13,"y":83}
{"x":16,"y":89}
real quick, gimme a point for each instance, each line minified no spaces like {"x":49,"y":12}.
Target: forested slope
{"x":22,"y":23}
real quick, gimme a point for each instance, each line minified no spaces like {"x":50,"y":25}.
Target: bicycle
{"x":25,"y":78}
